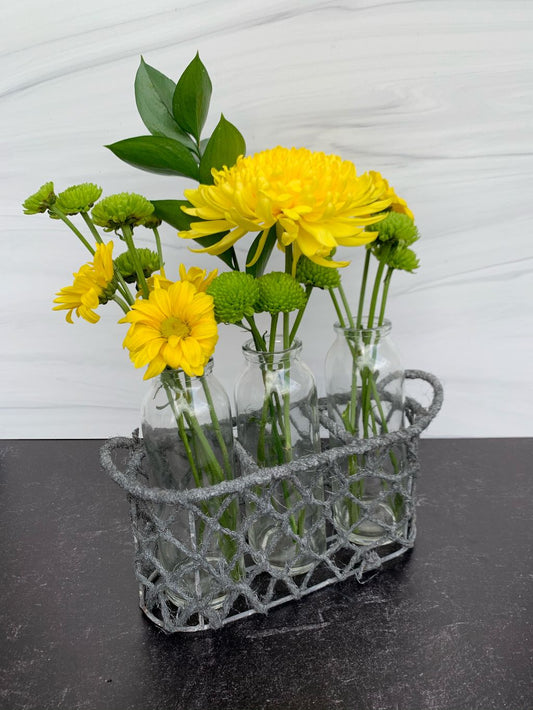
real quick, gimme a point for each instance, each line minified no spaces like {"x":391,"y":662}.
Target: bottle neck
{"x":364,"y":333}
{"x":272,"y":358}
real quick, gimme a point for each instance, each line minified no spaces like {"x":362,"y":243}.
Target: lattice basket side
{"x":184,"y":588}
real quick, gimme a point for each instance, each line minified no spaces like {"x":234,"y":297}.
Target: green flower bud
{"x":234,"y":295}
{"x":78,"y":198}
{"x":125,"y":208}
{"x":404,"y":259}
{"x":396,"y":227}
{"x":279,"y":293}
{"x":307,"y":272}
{"x":152,"y":222}
{"x":148,"y":260}
{"x":109,"y":291}
{"x":41,"y":200}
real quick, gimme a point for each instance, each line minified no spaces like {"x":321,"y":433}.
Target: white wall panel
{"x":435,"y":95}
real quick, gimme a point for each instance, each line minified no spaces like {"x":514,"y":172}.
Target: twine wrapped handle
{"x":419,"y":416}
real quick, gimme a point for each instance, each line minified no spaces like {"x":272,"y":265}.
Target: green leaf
{"x":228,"y":256}
{"x":153,"y":94}
{"x":156,"y":154}
{"x":223,"y":148}
{"x":170,"y":212}
{"x":192,"y":97}
{"x":258,"y":268}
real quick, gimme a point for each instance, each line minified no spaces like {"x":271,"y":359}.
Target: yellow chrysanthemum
{"x":92,"y":285}
{"x":174,"y":327}
{"x":398,"y":204}
{"x":197,"y":276}
{"x":316,"y":201}
{"x":157,"y":281}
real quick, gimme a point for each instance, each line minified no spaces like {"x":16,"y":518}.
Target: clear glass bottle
{"x":364,"y":387}
{"x":188,"y":438}
{"x":277,"y":422}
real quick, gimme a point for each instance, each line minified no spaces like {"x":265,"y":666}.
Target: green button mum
{"x":234,"y":295}
{"x":279,"y":293}
{"x":148,"y":260}
{"x":41,"y":200}
{"x":307,"y":272}
{"x":78,"y":198}
{"x":122,"y":209}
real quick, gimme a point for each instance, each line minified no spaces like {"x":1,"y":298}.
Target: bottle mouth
{"x":250,"y":351}
{"x":383,"y":329}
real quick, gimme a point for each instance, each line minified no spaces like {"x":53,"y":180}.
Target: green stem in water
{"x":212,"y":461}
{"x":183,"y":435}
{"x":300,"y":314}
{"x":217,"y":429}
{"x":70,"y":225}
{"x":362,"y":291}
{"x":141,"y":279}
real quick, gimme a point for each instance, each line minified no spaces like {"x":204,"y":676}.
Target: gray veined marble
{"x":435,"y":95}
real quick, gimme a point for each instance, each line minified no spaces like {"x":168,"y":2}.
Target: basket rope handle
{"x":129,"y":480}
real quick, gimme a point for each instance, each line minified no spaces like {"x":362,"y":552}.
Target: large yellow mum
{"x":175,"y":327}
{"x":90,"y":283}
{"x":398,"y":204}
{"x":317,"y":202}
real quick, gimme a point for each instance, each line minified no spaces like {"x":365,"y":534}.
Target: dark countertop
{"x":446,"y":627}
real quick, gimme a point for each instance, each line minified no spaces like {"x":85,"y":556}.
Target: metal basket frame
{"x":260,"y":585}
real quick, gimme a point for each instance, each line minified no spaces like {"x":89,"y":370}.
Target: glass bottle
{"x":364,"y":388}
{"x":277,"y":422}
{"x":188,"y":438}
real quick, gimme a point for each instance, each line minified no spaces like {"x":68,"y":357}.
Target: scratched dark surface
{"x":446,"y":628}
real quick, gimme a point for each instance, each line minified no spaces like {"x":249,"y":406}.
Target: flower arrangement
{"x":307,"y":204}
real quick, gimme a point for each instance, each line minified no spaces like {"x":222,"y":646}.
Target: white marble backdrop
{"x":437,"y":95}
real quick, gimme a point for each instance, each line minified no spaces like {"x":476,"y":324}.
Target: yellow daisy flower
{"x":157,"y":281}
{"x":197,"y":276}
{"x":316,"y":201}
{"x":174,"y":328}
{"x":89,"y":288}
{"x":398,"y":204}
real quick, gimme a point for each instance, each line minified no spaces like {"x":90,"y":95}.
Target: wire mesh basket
{"x":245,"y":581}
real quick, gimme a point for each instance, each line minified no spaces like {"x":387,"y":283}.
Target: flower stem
{"x":346,"y":306}
{"x":121,"y":303}
{"x":342,"y":322}
{"x":386,"y":284}
{"x":88,"y":221}
{"x":363,"y":289}
{"x":300,"y":314}
{"x":128,"y":238}
{"x":288,"y":259}
{"x":218,"y":431}
{"x":159,"y":251}
{"x":66,"y":220}
{"x":259,"y":341}
{"x":273,"y":328}
{"x":375,"y":293}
